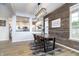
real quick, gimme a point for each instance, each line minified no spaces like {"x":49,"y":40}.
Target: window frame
{"x":72,"y":8}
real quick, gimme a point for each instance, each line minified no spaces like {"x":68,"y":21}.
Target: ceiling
{"x":29,"y":8}
{"x":5,"y":10}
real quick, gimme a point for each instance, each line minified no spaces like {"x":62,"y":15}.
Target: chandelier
{"x":42,"y":12}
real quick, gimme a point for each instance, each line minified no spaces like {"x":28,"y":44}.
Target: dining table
{"x":47,"y":38}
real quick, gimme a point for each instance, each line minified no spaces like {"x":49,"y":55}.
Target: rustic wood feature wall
{"x":62,"y":33}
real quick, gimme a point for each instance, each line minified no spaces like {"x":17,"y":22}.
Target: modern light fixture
{"x":42,"y":12}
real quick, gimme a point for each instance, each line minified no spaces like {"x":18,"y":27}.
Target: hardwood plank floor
{"x":15,"y":49}
{"x":24,"y":49}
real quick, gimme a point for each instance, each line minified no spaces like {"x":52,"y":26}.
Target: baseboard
{"x":13,"y":41}
{"x":67,"y":47}
{"x":3,"y":40}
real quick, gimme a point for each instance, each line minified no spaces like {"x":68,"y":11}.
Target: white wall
{"x":21,"y":36}
{"x":4,"y":31}
{"x":4,"y":14}
{"x":16,"y":36}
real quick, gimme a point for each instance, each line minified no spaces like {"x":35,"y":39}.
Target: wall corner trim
{"x":67,"y":47}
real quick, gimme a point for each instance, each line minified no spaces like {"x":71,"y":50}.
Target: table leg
{"x":44,"y":46}
{"x":53,"y":43}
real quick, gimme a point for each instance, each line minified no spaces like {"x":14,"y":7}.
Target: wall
{"x":4,"y":31}
{"x":62,"y":33}
{"x":4,"y":14}
{"x":19,"y":36}
{"x":22,"y":36}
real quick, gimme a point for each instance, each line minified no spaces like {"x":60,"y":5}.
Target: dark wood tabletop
{"x":48,"y":38}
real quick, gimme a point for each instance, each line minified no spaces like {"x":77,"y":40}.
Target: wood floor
{"x":15,"y":49}
{"x":24,"y":49}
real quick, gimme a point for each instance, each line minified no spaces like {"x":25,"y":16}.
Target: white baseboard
{"x":21,"y":40}
{"x":4,"y":40}
{"x":68,"y":47}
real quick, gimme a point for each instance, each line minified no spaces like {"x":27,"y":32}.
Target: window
{"x":46,"y":26}
{"x":74,"y":22}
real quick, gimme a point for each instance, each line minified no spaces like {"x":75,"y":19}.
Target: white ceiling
{"x":27,"y":8}
{"x":5,"y":11}
{"x":32,"y":8}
